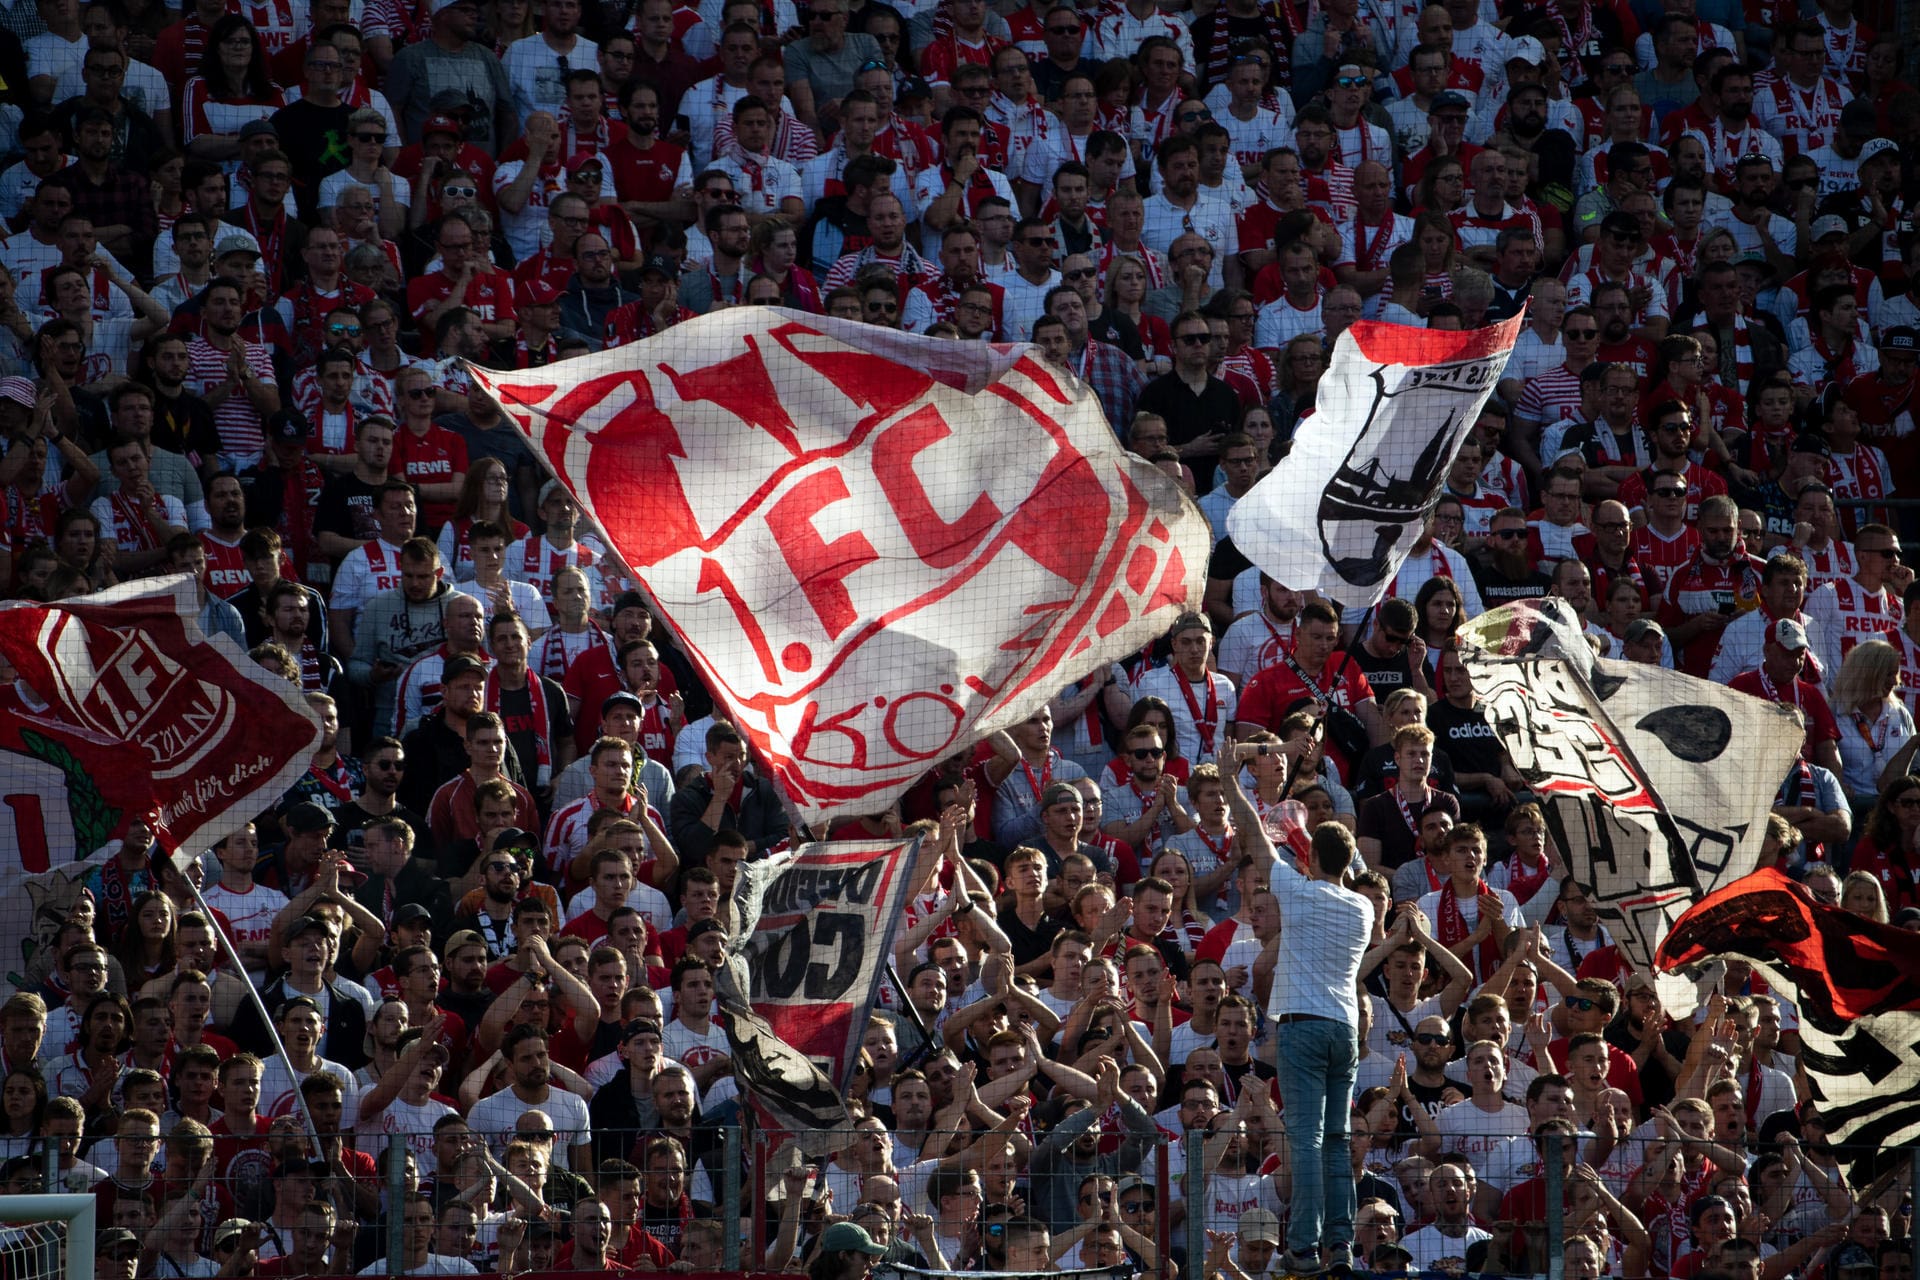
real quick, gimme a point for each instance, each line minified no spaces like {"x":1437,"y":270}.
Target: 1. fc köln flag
{"x":1856,"y":984}
{"x":876,"y":547}
{"x":1366,"y":467}
{"x":119,"y":708}
{"x":812,"y":933}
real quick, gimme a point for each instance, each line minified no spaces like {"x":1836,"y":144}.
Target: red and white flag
{"x":876,"y":547}
{"x":1366,"y":467}
{"x":120,"y":709}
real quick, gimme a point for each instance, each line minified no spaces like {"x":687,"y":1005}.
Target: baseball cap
{"x":1640,"y":628}
{"x":443,"y":124}
{"x":660,"y":265}
{"x":1812,"y":442}
{"x":114,"y":1238}
{"x":621,"y":699}
{"x":585,"y":160}
{"x":915,"y":87}
{"x":548,"y":489}
{"x":408,"y":912}
{"x":1858,"y":116}
{"x":1190,"y":621}
{"x":18,"y":390}
{"x":1828,"y":224}
{"x":258,"y":129}
{"x":441,"y":6}
{"x":229,"y":1230}
{"x":536,"y":291}
{"x":1637,"y":981}
{"x":465,"y":938}
{"x":640,"y":1026}
{"x":307,"y":817}
{"x":700,"y":928}
{"x":846,"y":1237}
{"x":1874,"y":148}
{"x":1389,"y":1254}
{"x":1902,"y":338}
{"x":1906,"y":916}
{"x":515,"y":838}
{"x":1528,"y":50}
{"x":1448,"y":100}
{"x":302,"y":924}
{"x":1788,"y":634}
{"x":237,"y":243}
{"x":451,"y":102}
{"x":461,"y":664}
{"x":1132,"y":1182}
{"x":1259,"y":1225}
{"x":288,"y":424}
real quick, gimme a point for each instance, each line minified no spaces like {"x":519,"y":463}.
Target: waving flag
{"x":121,"y":708}
{"x":1856,"y":985}
{"x":1632,"y":766}
{"x":876,"y":547}
{"x":1353,"y":496}
{"x":813,"y":931}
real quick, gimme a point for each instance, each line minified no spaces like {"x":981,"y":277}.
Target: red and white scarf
{"x":1453,"y":928}
{"x":537,"y":702}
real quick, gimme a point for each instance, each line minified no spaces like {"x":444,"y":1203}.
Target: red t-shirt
{"x":489,"y":295}
{"x":433,"y":458}
{"x":1821,"y":724}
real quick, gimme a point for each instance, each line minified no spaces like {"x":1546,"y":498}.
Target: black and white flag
{"x":1353,"y":496}
{"x":1656,"y":785}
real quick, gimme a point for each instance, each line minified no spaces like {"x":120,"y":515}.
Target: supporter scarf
{"x":1742,"y":346}
{"x":1453,"y":927}
{"x":1203,"y":720}
{"x":550,"y":654}
{"x":134,"y":521}
{"x":1440,"y":569}
{"x":1282,"y":25}
{"x":537,"y":701}
{"x":1524,"y":884}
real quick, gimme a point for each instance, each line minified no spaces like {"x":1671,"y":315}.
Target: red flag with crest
{"x":120,"y":708}
{"x":876,"y":547}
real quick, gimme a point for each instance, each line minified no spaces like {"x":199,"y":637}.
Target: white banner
{"x":1339,"y":515}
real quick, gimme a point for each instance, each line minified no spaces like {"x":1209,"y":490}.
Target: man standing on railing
{"x":1316,"y":1010}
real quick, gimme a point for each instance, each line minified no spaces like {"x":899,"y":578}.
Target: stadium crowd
{"x":252,"y":246}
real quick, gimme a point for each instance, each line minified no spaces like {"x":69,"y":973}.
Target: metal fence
{"x":1119,"y":1192}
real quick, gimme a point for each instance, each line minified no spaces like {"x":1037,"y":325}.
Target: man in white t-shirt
{"x":532,"y":1089}
{"x":249,"y":908}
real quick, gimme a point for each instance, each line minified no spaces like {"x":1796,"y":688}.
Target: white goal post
{"x":29,"y":1255}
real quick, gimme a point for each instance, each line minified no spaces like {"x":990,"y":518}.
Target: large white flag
{"x":876,"y":547}
{"x":1339,"y":515}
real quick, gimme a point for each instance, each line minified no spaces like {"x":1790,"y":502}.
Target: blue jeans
{"x":1317,"y":1060}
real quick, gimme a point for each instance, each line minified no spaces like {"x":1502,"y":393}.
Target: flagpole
{"x":259,"y":1007}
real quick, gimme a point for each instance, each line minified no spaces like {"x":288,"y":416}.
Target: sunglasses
{"x":725,"y":197}
{"x":1148,"y":753}
{"x":1135,"y":1206}
{"x":1063,"y":31}
{"x":1196,"y":339}
{"x":1581,"y":335}
{"x":1351,"y":82}
{"x":421,"y":393}
{"x":872,"y":64}
{"x":1085,"y":273}
{"x":1507,"y":535}
{"x":369,"y":137}
{"x":1397,"y":638}
{"x":1194,"y":117}
{"x":1669,"y":493}
{"x":348,"y":330}
{"x":460,"y":193}
{"x":1581,"y":1004}
{"x":1427,"y":1037}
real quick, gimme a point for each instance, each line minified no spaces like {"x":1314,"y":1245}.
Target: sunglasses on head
{"x":1351,"y":82}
